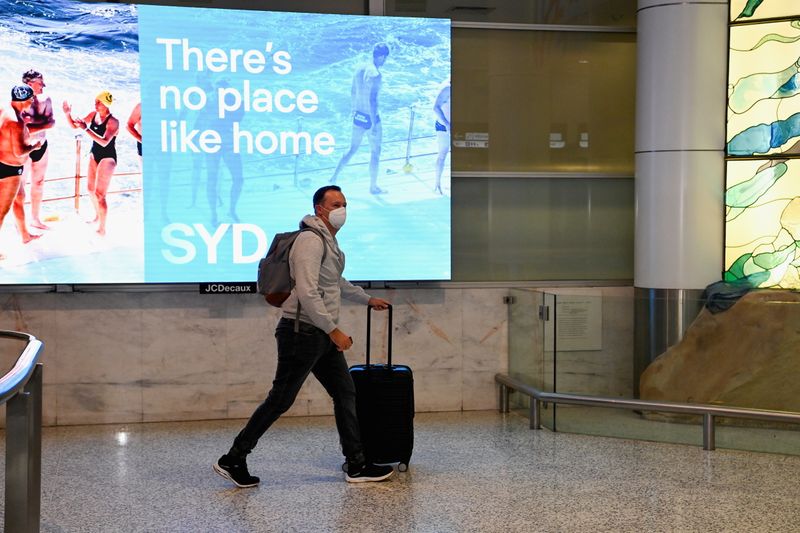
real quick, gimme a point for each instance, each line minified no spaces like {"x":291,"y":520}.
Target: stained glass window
{"x":762,"y":197}
{"x":744,"y":10}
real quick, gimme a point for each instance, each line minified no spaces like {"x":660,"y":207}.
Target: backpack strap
{"x":324,"y":254}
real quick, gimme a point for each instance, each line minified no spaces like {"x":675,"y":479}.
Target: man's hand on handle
{"x":345,"y":342}
{"x":379,"y":304}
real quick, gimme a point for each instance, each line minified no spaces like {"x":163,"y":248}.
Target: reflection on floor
{"x":481,"y":472}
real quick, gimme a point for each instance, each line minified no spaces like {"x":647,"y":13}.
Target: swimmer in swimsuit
{"x":134,"y":127}
{"x":8,"y":171}
{"x":39,"y":119}
{"x":102,"y":127}
{"x":15,"y":146}
{"x":442,"y":109}
{"x":364,"y":93}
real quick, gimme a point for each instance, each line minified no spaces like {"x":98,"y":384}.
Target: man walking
{"x":311,"y":342}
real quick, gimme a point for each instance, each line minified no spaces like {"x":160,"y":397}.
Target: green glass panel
{"x":577,"y":12}
{"x":750,"y":10}
{"x":542,"y":229}
{"x":543,"y":101}
{"x":762,"y":223}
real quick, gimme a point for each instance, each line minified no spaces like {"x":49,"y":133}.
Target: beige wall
{"x":145,"y":357}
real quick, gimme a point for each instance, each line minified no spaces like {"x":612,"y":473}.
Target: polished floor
{"x":471,"y":472}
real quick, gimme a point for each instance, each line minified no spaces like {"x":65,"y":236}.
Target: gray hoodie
{"x":319,"y":285}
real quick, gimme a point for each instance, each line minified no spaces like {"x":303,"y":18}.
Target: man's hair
{"x":320,"y":194}
{"x":380,"y":49}
{"x":31,"y":75}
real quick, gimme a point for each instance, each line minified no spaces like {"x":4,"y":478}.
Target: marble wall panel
{"x":428,"y":329}
{"x":183,"y":339}
{"x":98,"y":403}
{"x":99,"y":338}
{"x":184,"y":401}
{"x":485,"y":330}
{"x":251,"y":355}
{"x":479,"y":391}
{"x":438,"y":390}
{"x":128,"y":357}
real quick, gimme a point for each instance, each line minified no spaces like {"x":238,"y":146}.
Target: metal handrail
{"x":21,"y":392}
{"x":709,"y":412}
{"x":14,"y":380}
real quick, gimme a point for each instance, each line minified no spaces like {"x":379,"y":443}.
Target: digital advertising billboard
{"x":181,"y":139}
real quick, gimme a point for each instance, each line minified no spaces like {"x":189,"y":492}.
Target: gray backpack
{"x":275,"y":281}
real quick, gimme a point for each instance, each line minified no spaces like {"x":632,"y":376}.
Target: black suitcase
{"x":385,"y":406}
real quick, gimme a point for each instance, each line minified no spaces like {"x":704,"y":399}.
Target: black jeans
{"x":300,"y":353}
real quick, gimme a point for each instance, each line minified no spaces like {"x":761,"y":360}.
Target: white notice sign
{"x":579,"y":323}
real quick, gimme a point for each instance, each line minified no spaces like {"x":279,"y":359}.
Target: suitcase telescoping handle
{"x":369,"y":331}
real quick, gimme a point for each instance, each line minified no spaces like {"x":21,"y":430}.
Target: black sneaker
{"x":235,"y":470}
{"x":368,"y":472}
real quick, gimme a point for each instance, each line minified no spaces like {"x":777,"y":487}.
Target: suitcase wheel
{"x":344,"y":466}
{"x":402,"y":467}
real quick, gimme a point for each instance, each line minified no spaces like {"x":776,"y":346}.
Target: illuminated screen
{"x":244,"y":114}
{"x":762,"y":197}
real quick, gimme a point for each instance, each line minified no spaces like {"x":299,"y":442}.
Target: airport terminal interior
{"x":592,"y":270}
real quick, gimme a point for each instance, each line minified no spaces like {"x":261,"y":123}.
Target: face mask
{"x":337,"y":217}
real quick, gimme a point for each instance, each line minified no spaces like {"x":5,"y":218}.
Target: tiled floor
{"x":478,"y":471}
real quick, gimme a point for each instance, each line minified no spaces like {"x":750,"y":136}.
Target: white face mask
{"x":337,"y":217}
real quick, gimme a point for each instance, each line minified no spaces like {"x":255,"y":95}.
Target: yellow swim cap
{"x":105,"y":97}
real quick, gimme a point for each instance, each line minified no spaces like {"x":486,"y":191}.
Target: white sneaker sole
{"x":224,"y":473}
{"x":366,"y":479}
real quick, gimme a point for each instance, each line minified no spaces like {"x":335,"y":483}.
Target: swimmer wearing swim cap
{"x":15,"y":145}
{"x":105,"y":98}
{"x":101,"y":127}
{"x":21,"y":93}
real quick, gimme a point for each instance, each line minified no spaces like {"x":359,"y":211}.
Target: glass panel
{"x":763,"y":118}
{"x":542,"y":229}
{"x":549,"y":384}
{"x":524,"y":350}
{"x":525,"y":356}
{"x":762,"y":223}
{"x":594,"y":357}
{"x":529,"y":359}
{"x":745,"y":10}
{"x":744,"y":356}
{"x":585,"y":12}
{"x":544,"y":101}
{"x":782,"y":438}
